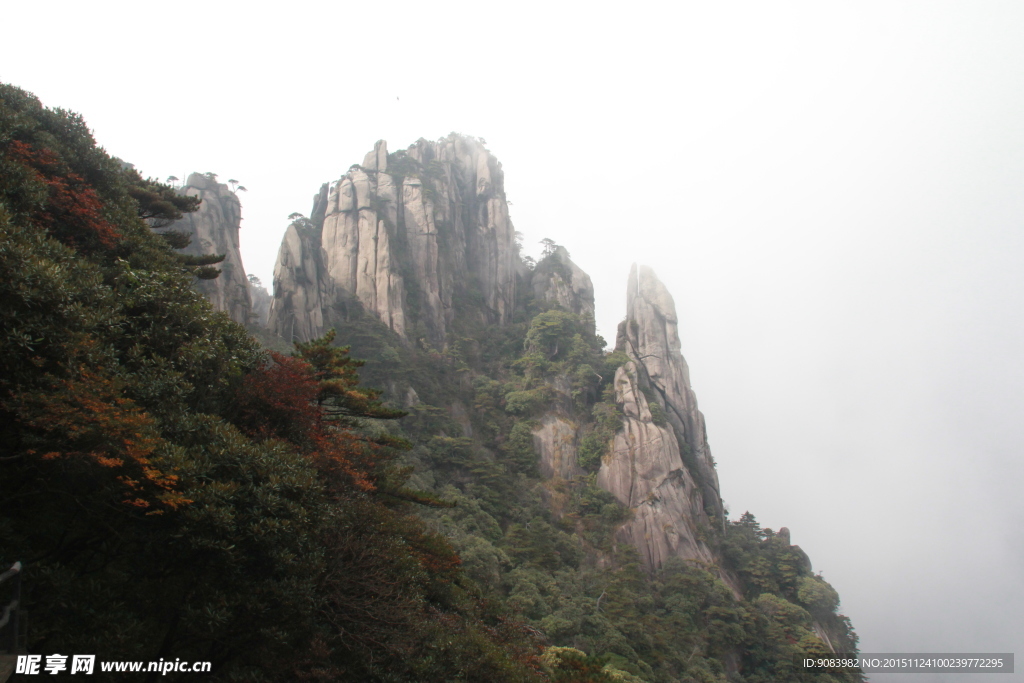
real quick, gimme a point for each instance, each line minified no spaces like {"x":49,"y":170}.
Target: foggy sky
{"x":834,"y":194}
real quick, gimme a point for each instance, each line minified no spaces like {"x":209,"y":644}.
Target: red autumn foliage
{"x":72,"y":212}
{"x":280,"y":401}
{"x":86,"y":419}
{"x":434,"y":552}
{"x":343,"y":458}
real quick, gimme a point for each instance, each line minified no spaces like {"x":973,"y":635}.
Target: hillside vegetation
{"x":176,"y":490}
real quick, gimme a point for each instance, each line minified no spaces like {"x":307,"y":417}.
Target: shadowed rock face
{"x":214,"y":229}
{"x":260,"y":304}
{"x":417,"y":238}
{"x":664,"y":472}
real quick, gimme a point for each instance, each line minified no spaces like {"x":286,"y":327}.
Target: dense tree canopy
{"x":174,"y":490}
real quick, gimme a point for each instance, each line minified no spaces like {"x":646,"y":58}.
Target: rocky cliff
{"x":650,"y":337}
{"x":555,"y":442}
{"x":300,"y":287}
{"x":646,"y":473}
{"x":659,"y":464}
{"x":557,"y":280}
{"x":417,"y":237}
{"x":214,"y":229}
{"x":421,"y":236}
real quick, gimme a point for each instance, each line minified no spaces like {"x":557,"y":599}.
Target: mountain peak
{"x":417,"y":238}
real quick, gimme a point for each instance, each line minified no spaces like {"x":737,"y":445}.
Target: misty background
{"x":833,"y":192}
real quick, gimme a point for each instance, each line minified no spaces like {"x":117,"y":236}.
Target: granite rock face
{"x":555,"y":441}
{"x":214,"y":229}
{"x":650,"y":336}
{"x":558,"y":280}
{"x":646,"y":473}
{"x":660,"y":465}
{"x":296,"y":312}
{"x":416,"y":237}
{"x":422,"y":236}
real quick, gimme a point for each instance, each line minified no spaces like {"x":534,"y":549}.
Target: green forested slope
{"x":546,"y":549}
{"x":176,"y":491}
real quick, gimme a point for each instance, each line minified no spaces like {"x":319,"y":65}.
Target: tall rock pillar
{"x":417,"y":237}
{"x":650,"y":336}
{"x":214,"y":229}
{"x":660,"y":465}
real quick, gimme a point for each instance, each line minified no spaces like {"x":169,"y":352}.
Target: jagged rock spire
{"x":660,"y":465}
{"x":650,"y":336}
{"x":646,"y":473}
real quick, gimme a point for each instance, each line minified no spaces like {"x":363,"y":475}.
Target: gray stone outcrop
{"x":296,"y":311}
{"x":214,"y":229}
{"x":557,"y":280}
{"x":650,"y":336}
{"x":261,"y":299}
{"x":646,"y":473}
{"x":416,"y":238}
{"x":555,"y":442}
{"x":660,"y":465}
